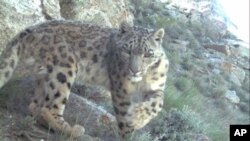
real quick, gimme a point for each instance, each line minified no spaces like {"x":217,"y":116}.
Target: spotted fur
{"x":129,"y":62}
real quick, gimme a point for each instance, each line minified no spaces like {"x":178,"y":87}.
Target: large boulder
{"x":51,"y":9}
{"x":239,"y":73}
{"x":15,"y":15}
{"x":102,"y":12}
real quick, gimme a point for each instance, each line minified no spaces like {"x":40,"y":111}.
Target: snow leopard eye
{"x":149,"y":53}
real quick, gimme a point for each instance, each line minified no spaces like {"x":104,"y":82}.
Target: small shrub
{"x":214,"y":87}
{"x":210,"y":65}
{"x":183,"y":84}
{"x":187,"y":65}
{"x":173,"y":30}
{"x":171,"y":96}
{"x":218,"y":91}
{"x":188,"y":36}
{"x":187,"y":74}
{"x":173,"y":56}
{"x":212,"y":91}
{"x":194,"y":44}
{"x":177,"y":99}
{"x":197,"y":29}
{"x":192,"y":92}
{"x":202,"y":83}
{"x":178,"y":125}
{"x":146,"y":136}
{"x":217,"y":80}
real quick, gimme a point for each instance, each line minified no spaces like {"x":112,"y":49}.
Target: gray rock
{"x":233,"y":78}
{"x":107,"y":12}
{"x":239,"y":73}
{"x":232,"y":96}
{"x":216,"y":71}
{"x":16,"y":15}
{"x":51,"y":9}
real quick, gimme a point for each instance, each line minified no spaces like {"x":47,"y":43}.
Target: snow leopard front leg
{"x":136,"y":104}
{"x":139,"y":114}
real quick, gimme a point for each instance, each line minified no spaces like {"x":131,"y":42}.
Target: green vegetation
{"x":181,"y":92}
{"x":187,"y":64}
{"x":146,"y":136}
{"x":177,"y":125}
{"x":183,"y":84}
{"x":191,"y":81}
{"x":215,"y":133}
{"x":173,"y":56}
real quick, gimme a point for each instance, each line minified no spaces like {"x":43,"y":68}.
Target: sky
{"x":238,"y":12}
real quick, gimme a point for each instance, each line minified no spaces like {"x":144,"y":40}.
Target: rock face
{"x":103,"y":12}
{"x":17,"y":14}
{"x":50,"y":9}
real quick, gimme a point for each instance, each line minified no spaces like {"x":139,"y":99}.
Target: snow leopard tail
{"x":9,"y":57}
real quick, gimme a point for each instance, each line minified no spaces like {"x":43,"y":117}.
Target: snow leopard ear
{"x":124,"y":27}
{"x":158,"y":35}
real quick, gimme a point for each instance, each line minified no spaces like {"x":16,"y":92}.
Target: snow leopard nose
{"x":135,"y":65}
{"x":134,"y":72}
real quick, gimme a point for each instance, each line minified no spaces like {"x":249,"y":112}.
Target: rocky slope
{"x":208,"y":77}
{"x":209,"y":66}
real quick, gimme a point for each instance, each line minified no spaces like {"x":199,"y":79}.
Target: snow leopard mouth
{"x":135,"y":78}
